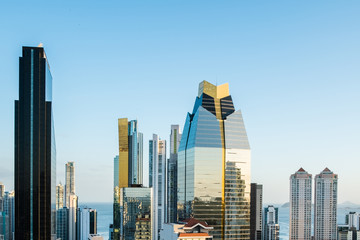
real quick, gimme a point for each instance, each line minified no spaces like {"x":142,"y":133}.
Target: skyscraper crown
{"x":213,"y":91}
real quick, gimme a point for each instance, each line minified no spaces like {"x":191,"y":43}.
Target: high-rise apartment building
{"x":256,"y":224}
{"x":325,"y":218}
{"x":171,"y":182}
{"x":128,"y":166}
{"x":69,"y":182}
{"x":214,"y":165}
{"x":300,"y":205}
{"x":35,"y":162}
{"x":271,"y":223}
{"x":157,"y":161}
{"x":59,"y":196}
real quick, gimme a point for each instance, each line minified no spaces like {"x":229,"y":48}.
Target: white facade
{"x":325,"y":205}
{"x":73,"y":202}
{"x":300,"y":205}
{"x":95,"y":237}
{"x":59,"y":196}
{"x":352,"y":219}
{"x":158,"y":154}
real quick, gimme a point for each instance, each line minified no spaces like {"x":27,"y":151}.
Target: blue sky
{"x":292,"y":67}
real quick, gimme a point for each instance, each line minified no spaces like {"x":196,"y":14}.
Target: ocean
{"x":104,"y":211}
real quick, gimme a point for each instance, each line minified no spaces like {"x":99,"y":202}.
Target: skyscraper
{"x":2,"y":189}
{"x":59,"y":196}
{"x":171,"y":182}
{"x":325,"y":205}
{"x":256,"y":224}
{"x":62,"y":223}
{"x":157,"y":161}
{"x":134,"y":201}
{"x":128,"y":166}
{"x":130,"y":153}
{"x":300,"y":205}
{"x":35,"y":163}
{"x":9,"y":210}
{"x":214,"y":165}
{"x":88,"y":222}
{"x":69,"y":182}
{"x":73,"y":205}
{"x":271,"y":223}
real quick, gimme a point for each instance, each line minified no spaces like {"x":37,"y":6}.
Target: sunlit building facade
{"x":35,"y":153}
{"x":300,"y":205}
{"x":214,"y":165}
{"x":69,"y":182}
{"x":157,"y":161}
{"x":59,"y":196}
{"x":325,"y":211}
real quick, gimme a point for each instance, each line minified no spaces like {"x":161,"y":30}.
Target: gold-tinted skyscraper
{"x":127,"y":165}
{"x":214,"y":165}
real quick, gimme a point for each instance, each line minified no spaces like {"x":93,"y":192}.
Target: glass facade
{"x":134,"y":202}
{"x":35,"y":152}
{"x":214,"y":165}
{"x":171,"y":204}
{"x":128,"y":165}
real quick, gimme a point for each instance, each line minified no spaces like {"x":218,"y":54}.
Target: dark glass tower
{"x":35,"y":162}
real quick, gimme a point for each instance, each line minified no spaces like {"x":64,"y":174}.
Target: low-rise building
{"x":190,"y":229}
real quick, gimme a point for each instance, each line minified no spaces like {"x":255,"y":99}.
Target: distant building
{"x":300,"y":205}
{"x":128,"y":166}
{"x":62,"y":223}
{"x":2,"y":190}
{"x":9,"y":210}
{"x":271,"y":223}
{"x":157,"y":163}
{"x":344,"y":232}
{"x":73,"y":205}
{"x":143,"y":227}
{"x":87,"y":222}
{"x":5,"y":225}
{"x":256,"y":224}
{"x":134,"y":201}
{"x":69,"y":182}
{"x":352,"y":220}
{"x":171,"y":179}
{"x":95,"y":237}
{"x":59,"y":196}
{"x":189,"y":229}
{"x":325,"y":217}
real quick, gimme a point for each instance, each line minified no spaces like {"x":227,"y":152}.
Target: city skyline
{"x":290,"y":104}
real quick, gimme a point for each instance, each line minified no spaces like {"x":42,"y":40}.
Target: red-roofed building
{"x":189,"y":229}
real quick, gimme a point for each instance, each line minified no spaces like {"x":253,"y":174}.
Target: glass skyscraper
{"x":214,"y":165}
{"x":171,"y":178}
{"x":134,"y":202}
{"x":69,"y":182}
{"x":35,"y":162}
{"x":128,"y":166}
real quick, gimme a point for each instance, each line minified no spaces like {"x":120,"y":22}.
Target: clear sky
{"x":292,"y":66}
